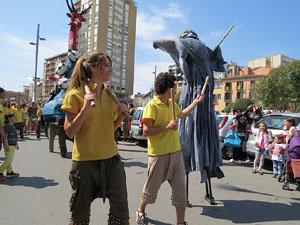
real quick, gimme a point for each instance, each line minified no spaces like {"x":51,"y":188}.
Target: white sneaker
{"x":239,"y":161}
{"x":231,"y":161}
{"x":248,"y":161}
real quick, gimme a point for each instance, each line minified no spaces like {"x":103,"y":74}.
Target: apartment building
{"x":271,"y":61}
{"x":238,"y":83}
{"x":50,"y":67}
{"x":110,"y":27}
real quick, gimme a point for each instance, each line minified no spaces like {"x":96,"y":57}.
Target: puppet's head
{"x":189,"y":33}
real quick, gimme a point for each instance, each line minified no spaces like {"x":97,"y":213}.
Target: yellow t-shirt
{"x":24,"y":114}
{"x":8,"y":110}
{"x":19,"y":115}
{"x":2,"y":113}
{"x":165,"y":142}
{"x":95,"y":139}
{"x":39,"y":114}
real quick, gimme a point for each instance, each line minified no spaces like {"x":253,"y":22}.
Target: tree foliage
{"x":280,"y":88}
{"x":242,"y":104}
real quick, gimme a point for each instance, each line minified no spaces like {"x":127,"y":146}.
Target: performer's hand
{"x":6,"y":148}
{"x":200,"y":98}
{"x":122,"y":109}
{"x":173,"y":125}
{"x":256,"y":145}
{"x":87,"y":100}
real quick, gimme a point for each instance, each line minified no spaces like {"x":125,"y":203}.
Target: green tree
{"x":280,"y":88}
{"x":242,"y":104}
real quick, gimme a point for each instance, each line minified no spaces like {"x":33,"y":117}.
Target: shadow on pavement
{"x":34,"y":182}
{"x":150,"y":221}
{"x":127,"y":150}
{"x":250,"y":211}
{"x":139,"y":164}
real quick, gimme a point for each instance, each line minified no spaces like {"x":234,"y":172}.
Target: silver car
{"x":137,"y":124}
{"x":274,"y":122}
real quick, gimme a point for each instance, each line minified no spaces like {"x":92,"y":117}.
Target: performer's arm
{"x":122,"y":109}
{"x":73,"y":122}
{"x":184,"y":113}
{"x":149,"y":130}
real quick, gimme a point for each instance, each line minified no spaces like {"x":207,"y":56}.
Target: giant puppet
{"x":199,"y":131}
{"x":51,"y":111}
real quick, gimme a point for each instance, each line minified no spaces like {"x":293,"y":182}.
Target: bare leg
{"x":180,"y":213}
{"x":142,"y":208}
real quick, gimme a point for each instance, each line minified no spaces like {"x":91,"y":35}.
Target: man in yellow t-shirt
{"x":165,"y":160}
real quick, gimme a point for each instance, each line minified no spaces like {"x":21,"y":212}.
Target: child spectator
{"x":262,"y":145}
{"x":12,"y":138}
{"x":276,"y":151}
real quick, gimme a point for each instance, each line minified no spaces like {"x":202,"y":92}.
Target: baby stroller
{"x":291,"y":167}
{"x":287,"y":175}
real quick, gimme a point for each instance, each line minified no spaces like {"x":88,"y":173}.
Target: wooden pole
{"x":115,"y":99}
{"x":173,"y":103}
{"x":87,"y":90}
{"x":205,"y":84}
{"x":225,"y":35}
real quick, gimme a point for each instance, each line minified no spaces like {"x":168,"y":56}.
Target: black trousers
{"x":238,"y":153}
{"x":99,"y":179}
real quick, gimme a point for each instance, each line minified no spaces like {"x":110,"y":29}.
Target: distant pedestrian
{"x":12,"y":138}
{"x":19,"y":123}
{"x":262,"y":140}
{"x":239,"y":124}
{"x":31,"y":117}
{"x":276,"y":151}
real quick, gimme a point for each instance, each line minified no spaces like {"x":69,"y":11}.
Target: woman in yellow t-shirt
{"x":95,"y":153}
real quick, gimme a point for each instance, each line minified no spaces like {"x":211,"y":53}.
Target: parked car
{"x":224,"y":122}
{"x":137,"y":124}
{"x":274,"y":122}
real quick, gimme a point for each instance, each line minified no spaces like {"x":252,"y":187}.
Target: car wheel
{"x":226,"y":153}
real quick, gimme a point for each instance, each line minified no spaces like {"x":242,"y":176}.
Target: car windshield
{"x":276,"y":121}
{"x":137,"y":114}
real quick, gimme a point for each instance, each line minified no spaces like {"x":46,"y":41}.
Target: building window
{"x":214,"y":97}
{"x":252,"y":84}
{"x":239,"y":95}
{"x":228,"y":87}
{"x":227,"y":97}
{"x":219,"y":96}
{"x":239,"y":85}
{"x":217,"y":85}
{"x":251,"y":95}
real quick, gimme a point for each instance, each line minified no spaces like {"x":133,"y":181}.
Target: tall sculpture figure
{"x":199,"y":131}
{"x":52,"y":114}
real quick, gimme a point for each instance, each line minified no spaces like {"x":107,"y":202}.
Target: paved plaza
{"x":40,"y":196}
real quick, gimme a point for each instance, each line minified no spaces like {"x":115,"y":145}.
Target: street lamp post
{"x":38,"y":38}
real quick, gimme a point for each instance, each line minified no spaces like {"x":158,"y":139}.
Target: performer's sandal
{"x":183,"y":223}
{"x":141,"y":217}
